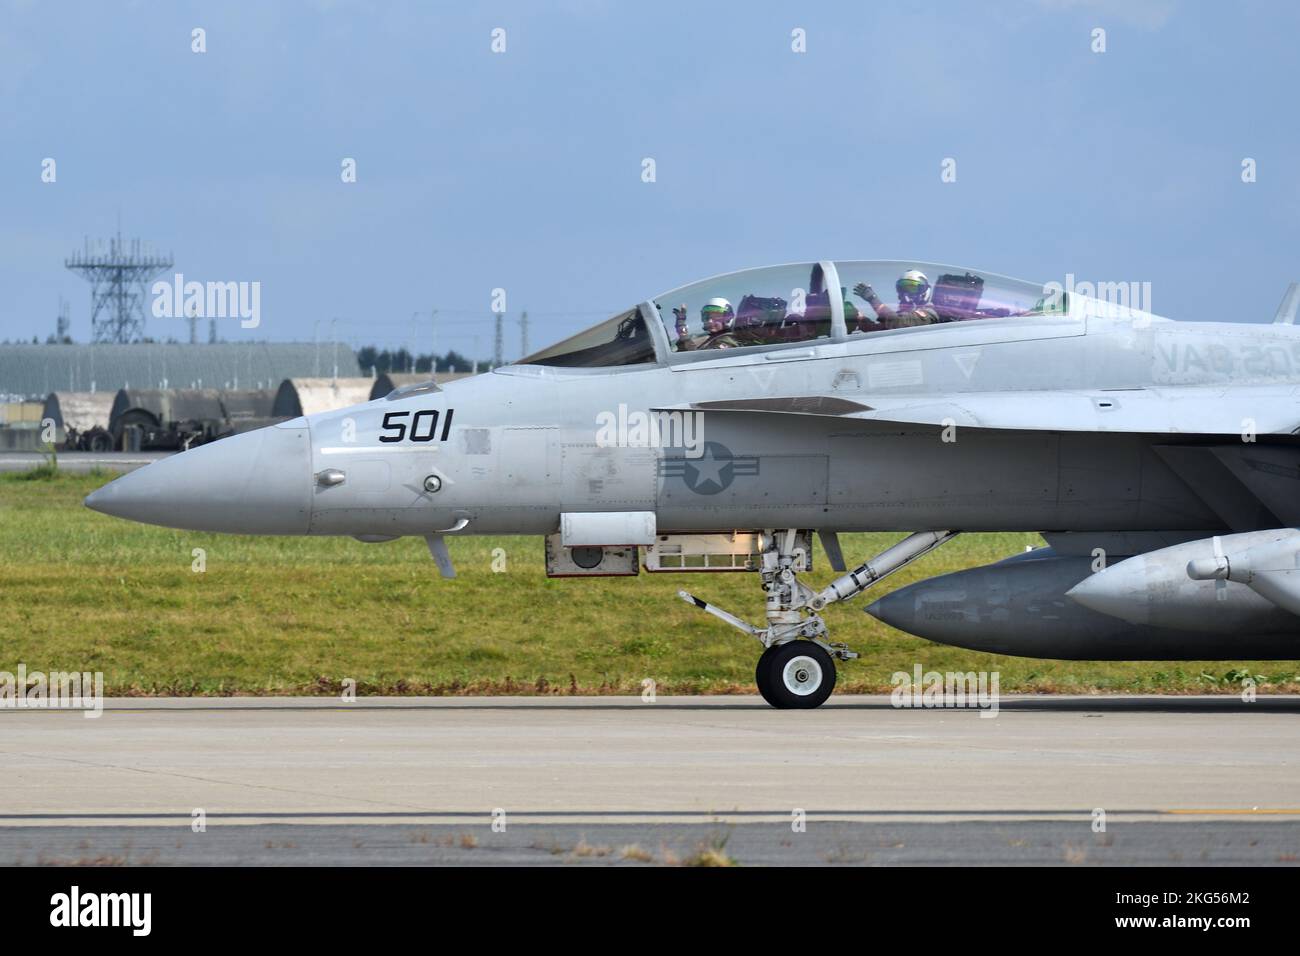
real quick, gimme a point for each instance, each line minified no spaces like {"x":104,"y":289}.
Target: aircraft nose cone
{"x":255,"y":483}
{"x":97,"y":500}
{"x":895,"y":609}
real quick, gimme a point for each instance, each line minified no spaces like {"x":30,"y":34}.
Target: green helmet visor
{"x":911,"y":287}
{"x":714,"y":312}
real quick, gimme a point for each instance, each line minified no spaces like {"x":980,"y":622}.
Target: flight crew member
{"x":914,"y":306}
{"x":717,"y":318}
{"x":854,"y":318}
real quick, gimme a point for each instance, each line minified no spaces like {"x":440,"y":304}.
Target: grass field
{"x":81,"y":591}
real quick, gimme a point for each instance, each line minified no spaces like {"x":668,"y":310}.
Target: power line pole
{"x":335,"y":336}
{"x":433,"y":344}
{"x":523,"y":335}
{"x":415,"y":337}
{"x":64,"y":323}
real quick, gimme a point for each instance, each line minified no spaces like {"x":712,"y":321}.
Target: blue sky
{"x":522,"y":170}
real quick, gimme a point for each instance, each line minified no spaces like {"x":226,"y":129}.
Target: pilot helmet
{"x":913,"y":288}
{"x":716,"y":315}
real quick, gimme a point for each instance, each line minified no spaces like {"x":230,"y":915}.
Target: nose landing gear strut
{"x":797,"y":666}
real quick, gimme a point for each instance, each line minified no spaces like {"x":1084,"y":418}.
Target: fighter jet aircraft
{"x":717,"y":427}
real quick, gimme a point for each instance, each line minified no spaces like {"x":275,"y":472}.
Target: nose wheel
{"x":797,"y":668}
{"x":795,"y":676}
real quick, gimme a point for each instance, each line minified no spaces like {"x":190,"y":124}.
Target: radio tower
{"x":498,"y":345}
{"x":118,"y":272}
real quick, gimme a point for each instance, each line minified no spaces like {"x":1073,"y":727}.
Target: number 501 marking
{"x":423,"y":425}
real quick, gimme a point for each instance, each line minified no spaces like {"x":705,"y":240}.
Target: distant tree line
{"x":54,"y":339}
{"x":401,"y":360}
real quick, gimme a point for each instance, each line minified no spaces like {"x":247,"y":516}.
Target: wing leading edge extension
{"x":1241,"y":411}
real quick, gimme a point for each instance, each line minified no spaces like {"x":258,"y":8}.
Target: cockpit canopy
{"x":622,"y":340}
{"x":772,"y":306}
{"x":775,"y":306}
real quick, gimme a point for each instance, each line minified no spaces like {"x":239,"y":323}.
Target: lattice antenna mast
{"x":118,"y":272}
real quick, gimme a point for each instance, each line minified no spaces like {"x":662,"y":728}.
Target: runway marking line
{"x":1240,"y":811}
{"x":988,"y":814}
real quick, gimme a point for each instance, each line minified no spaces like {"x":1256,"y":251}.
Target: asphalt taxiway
{"x":80,"y":462}
{"x":599,"y":780}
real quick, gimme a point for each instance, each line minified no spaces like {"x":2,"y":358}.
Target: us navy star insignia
{"x":712,"y":472}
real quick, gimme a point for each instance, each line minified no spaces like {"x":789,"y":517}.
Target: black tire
{"x":761,"y":670}
{"x":799,"y":675}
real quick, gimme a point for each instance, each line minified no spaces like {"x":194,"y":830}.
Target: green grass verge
{"x":81,"y":591}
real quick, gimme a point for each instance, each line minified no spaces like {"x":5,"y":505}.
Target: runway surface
{"x":600,"y":780}
{"x":81,"y":462}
